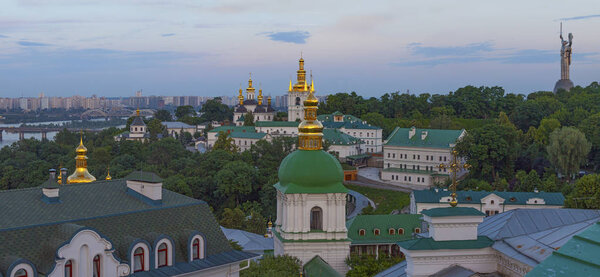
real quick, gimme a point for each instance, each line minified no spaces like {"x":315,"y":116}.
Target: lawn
{"x":386,"y":200}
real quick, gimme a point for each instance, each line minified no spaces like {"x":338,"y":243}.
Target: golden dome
{"x":81,"y":174}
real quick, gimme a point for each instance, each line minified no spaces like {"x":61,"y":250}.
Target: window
{"x":297,"y":101}
{"x":444,"y":158}
{"x":21,"y":273}
{"x":97,"y":267}
{"x":492,"y":202}
{"x":417,"y":230}
{"x":404,"y":178}
{"x":392,"y":231}
{"x":361,"y":232}
{"x":316,"y":219}
{"x":487,"y":213}
{"x":376,"y":232}
{"x":400,"y":231}
{"x":418,"y":157}
{"x":163,"y":255}
{"x":138,"y":260}
{"x":197,"y":248}
{"x":69,"y":268}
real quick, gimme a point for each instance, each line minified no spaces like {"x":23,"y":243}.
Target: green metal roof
{"x":233,"y":129}
{"x":430,"y":244}
{"x":317,"y":267}
{"x":335,"y":137}
{"x":32,"y":229}
{"x":474,"y":197}
{"x":349,"y":122}
{"x":403,"y":170}
{"x":310,"y":171}
{"x":149,"y":177}
{"x":580,"y":256}
{"x":435,"y":138}
{"x":247,"y":135}
{"x":277,"y":123}
{"x":384,"y":223}
{"x":452,"y":211}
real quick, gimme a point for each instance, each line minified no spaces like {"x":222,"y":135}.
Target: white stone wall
{"x":334,"y":252}
{"x":344,"y":151}
{"x":416,"y":179}
{"x":279,"y":131}
{"x":373,"y":139}
{"x":453,"y":227}
{"x":483,"y":207}
{"x":422,"y":263}
{"x":296,"y":111}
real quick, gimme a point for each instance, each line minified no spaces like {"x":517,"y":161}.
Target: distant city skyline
{"x":170,"y":48}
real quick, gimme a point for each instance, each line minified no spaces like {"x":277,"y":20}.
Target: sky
{"x":208,"y":48}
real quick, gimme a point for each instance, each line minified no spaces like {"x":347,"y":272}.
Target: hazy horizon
{"x":169,"y":48}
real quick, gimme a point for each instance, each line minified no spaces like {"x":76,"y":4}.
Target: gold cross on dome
{"x":454,"y":167}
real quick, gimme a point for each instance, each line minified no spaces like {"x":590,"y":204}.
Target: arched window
{"x":492,"y":202}
{"x":69,"y":268}
{"x":163,"y":255}
{"x":21,"y":273}
{"x":400,"y":231}
{"x":297,"y":101}
{"x":392,"y":231}
{"x":376,"y":232}
{"x":316,"y":218}
{"x":197,"y":248}
{"x":97,"y":268}
{"x":361,"y":232}
{"x":417,"y":230}
{"x":139,"y":260}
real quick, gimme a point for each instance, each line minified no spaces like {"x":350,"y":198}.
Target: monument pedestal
{"x":565,"y":84}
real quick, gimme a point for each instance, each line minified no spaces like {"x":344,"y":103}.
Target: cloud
{"x":483,"y":52}
{"x":469,"y":49}
{"x":298,"y":37}
{"x":583,"y":17}
{"x":3,"y":36}
{"x":167,"y":35}
{"x":32,"y":43}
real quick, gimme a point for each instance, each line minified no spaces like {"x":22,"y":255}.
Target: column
{"x":21,"y":135}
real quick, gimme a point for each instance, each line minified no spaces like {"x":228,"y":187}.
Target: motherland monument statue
{"x":565,"y":61}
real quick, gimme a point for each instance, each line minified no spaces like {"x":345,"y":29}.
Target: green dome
{"x":310,"y":171}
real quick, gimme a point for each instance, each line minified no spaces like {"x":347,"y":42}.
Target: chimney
{"x":423,"y":135}
{"x":63,"y":176}
{"x":412,"y":132}
{"x":145,"y":186}
{"x":50,"y":189}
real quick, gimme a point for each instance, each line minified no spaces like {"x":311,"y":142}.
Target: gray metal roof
{"x":177,"y":125}
{"x":248,"y":241}
{"x":530,"y":236}
{"x":397,"y":270}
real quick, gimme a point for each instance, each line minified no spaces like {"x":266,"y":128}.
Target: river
{"x":10,"y":138}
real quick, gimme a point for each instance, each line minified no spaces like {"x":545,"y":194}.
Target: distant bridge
{"x":115,"y":112}
{"x":43,"y":130}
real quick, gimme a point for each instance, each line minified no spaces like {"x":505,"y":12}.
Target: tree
{"x":155,"y":127}
{"x":273,"y":266}
{"x":567,"y":150}
{"x":232,"y":218}
{"x":491,"y":151}
{"x":177,"y":184}
{"x":369,"y":265}
{"x":183,"y":111}
{"x":224,"y":142}
{"x":547,"y":126}
{"x":214,"y":110}
{"x":163,"y":115}
{"x":235,"y":180}
{"x":586,"y":193}
{"x":249,"y":119}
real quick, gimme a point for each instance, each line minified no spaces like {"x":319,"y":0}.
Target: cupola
{"x":81,"y":174}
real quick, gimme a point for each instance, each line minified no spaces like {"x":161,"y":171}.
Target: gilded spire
{"x":241,"y":96}
{"x":310,"y":131}
{"x":260,"y":97}
{"x":290,"y":89}
{"x":312,"y":83}
{"x":108,"y":178}
{"x":81,"y":174}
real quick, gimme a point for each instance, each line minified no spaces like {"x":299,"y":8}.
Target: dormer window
{"x":417,"y":230}
{"x":376,"y":232}
{"x":361,"y":232}
{"x":163,"y":255}
{"x":97,"y":266}
{"x":512,"y":199}
{"x":197,"y":248}
{"x":492,"y":202}
{"x":400,"y":231}
{"x":139,"y":259}
{"x":21,"y":273}
{"x":469,"y":199}
{"x":392,"y":231}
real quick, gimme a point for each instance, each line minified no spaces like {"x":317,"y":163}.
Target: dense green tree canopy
{"x":568,"y":149}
